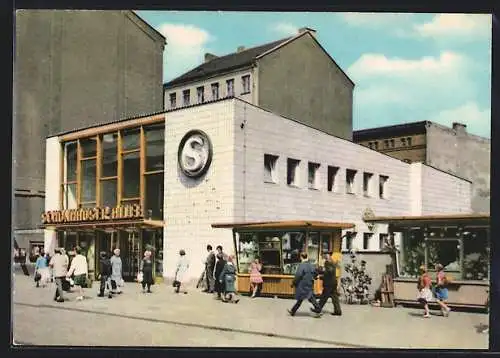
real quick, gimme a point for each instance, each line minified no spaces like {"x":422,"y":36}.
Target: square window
{"x":382,"y":184}
{"x":313,"y":175}
{"x":332,"y":176}
{"x":367,"y":183}
{"x":173,"y":100}
{"x":350,"y":176}
{"x":366,"y":240}
{"x":270,"y":168}
{"x":292,"y":175}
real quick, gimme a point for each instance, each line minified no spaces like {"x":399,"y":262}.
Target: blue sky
{"x":406,"y":67}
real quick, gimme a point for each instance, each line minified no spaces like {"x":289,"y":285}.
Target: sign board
{"x":195,"y":154}
{"x":92,"y":214}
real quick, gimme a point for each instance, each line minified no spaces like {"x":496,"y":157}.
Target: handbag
{"x":38,"y":276}
{"x":140,"y":277}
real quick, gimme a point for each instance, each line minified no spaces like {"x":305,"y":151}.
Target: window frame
{"x":350,"y":188}
{"x":200,"y":90}
{"x":245,"y":82}
{"x":230,"y":85}
{"x":186,"y":97}
{"x":293,"y":166}
{"x":173,"y":99}
{"x":215,"y":86}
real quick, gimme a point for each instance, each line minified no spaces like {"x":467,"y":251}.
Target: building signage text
{"x":92,"y":214}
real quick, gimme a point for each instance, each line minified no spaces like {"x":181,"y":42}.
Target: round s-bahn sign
{"x":195,"y":153}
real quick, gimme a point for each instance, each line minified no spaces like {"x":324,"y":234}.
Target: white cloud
{"x":477,"y":120}
{"x":370,"y":65}
{"x":460,"y":26}
{"x":185,"y":49}
{"x":285,"y":28}
{"x":375,"y":20}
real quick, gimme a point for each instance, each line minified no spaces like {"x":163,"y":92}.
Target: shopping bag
{"x":140,"y":277}
{"x":38,"y":276}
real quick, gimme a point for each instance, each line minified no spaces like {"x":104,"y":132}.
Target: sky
{"x":406,"y":67}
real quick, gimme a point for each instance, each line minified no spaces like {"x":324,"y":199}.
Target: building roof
{"x":147,"y":27}
{"x":390,"y":131}
{"x":292,"y":224}
{"x":479,"y":219}
{"x":225,"y":63}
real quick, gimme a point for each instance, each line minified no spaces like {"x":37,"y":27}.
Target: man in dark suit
{"x":304,"y":283}
{"x":330,"y":286}
{"x":209,"y":270}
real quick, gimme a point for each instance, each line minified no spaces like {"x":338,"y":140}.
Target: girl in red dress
{"x":255,"y":276}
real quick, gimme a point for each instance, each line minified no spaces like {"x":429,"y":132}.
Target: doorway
{"x":129,"y":244}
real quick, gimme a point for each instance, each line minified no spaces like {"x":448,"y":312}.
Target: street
{"x":198,"y":320}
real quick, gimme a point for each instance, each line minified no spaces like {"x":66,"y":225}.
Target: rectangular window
{"x":382,"y":185}
{"x":332,"y":175}
{"x":476,"y":257}
{"x":215,"y":91}
{"x":131,"y":139}
{"x":350,"y":179}
{"x":154,"y":196}
{"x":370,"y":145}
{"x":382,"y":239}
{"x":376,"y":145}
{"x":230,"y":87}
{"x":408,"y":141}
{"x":186,"y":97}
{"x":403,"y":142}
{"x":70,"y":201}
{"x":270,"y":170}
{"x":386,"y":144}
{"x":348,"y":242}
{"x":245,"y":83}
{"x":313,"y":175}
{"x":173,"y":100}
{"x":292,"y":175}
{"x":392,"y":143}
{"x":200,"y":92}
{"x":71,"y":159}
{"x":366,"y":240}
{"x":131,"y":175}
{"x":109,"y":144}
{"x":367,"y":183}
{"x":155,"y":147}
{"x":109,"y":191}
{"x":88,"y":180}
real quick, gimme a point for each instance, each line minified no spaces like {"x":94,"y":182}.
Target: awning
{"x":104,"y":224}
{"x":293,"y":224}
{"x":477,"y":219}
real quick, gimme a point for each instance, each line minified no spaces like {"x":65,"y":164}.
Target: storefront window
{"x":109,"y":143}
{"x":131,"y":139}
{"x":88,"y":147}
{"x":412,"y":254}
{"x":108,"y":193}
{"x":155,"y":147}
{"x":71,"y":159}
{"x":131,"y":175}
{"x":154,"y":196}
{"x":293,"y":244}
{"x":476,"y":256}
{"x":69,"y":193}
{"x":313,"y":247}
{"x":446,"y":252}
{"x":270,"y":252}
{"x":88,"y":180}
{"x":248,"y":250}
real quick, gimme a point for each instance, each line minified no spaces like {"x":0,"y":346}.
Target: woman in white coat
{"x":116,"y":272}
{"x":182,"y":268}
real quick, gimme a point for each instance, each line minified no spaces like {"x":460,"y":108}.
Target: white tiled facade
{"x":207,"y":85}
{"x":52,"y":186}
{"x":234,"y":188}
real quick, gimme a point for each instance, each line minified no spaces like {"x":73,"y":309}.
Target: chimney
{"x":240,"y":48}
{"x":307,"y":29}
{"x":209,"y":57}
{"x":459,"y":127}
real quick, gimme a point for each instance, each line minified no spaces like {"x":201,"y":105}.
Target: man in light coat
{"x":59,"y":264}
{"x":181,"y":270}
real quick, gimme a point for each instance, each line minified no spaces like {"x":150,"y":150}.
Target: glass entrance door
{"x":130,"y":253}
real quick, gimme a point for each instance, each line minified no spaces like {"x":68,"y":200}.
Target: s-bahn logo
{"x":195,"y":153}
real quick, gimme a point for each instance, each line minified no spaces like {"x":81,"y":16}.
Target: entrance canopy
{"x":293,"y":224}
{"x":402,"y":222}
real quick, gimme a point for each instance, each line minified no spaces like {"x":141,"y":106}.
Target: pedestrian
{"x":303,"y":283}
{"x":209,"y":270}
{"x":116,"y":272}
{"x":255,"y":276}
{"x":42,"y":272}
{"x":227,"y":279}
{"x":441,"y":291}
{"x":105,"y":272}
{"x":330,"y":286}
{"x":219,"y":266}
{"x":59,"y":264}
{"x":79,"y":268}
{"x":146,"y":269}
{"x":424,"y":290}
{"x":180,"y":272}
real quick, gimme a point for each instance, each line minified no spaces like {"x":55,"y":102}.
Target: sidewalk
{"x":358,"y":327}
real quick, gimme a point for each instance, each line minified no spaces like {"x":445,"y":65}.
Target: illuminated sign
{"x":195,"y":154}
{"x":92,"y":214}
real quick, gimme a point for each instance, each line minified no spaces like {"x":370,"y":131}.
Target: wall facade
{"x":300,"y":81}
{"x":207,"y":83}
{"x":74,"y":69}
{"x":53,"y":152}
{"x":410,"y":148}
{"x":465,"y":155}
{"x":191,"y":206}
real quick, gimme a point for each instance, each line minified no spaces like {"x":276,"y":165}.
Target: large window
{"x":154,"y":152}
{"x":155,"y":147}
{"x":88,"y":180}
{"x":131,"y":175}
{"x":69,"y":187}
{"x":476,"y":255}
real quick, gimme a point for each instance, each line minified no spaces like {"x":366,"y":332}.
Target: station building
{"x":179,"y":179}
